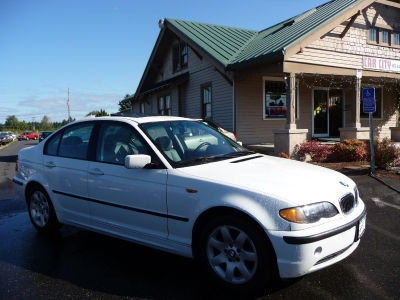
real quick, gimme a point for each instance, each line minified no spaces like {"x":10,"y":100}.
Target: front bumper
{"x":305,"y":251}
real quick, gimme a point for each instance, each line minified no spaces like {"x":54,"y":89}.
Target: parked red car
{"x":28,"y":135}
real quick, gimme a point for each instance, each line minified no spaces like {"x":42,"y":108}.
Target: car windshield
{"x":186,"y":143}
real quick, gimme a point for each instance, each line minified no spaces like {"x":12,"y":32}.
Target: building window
{"x":396,"y":38}
{"x":179,"y":56}
{"x":275,"y":99}
{"x":164,"y":105}
{"x":142,"y":107}
{"x":385,"y":37}
{"x":206,"y":100}
{"x":378,"y":98}
{"x":274,"y":103}
{"x":373,"y":35}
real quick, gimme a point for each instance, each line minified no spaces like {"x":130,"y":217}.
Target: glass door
{"x":320,"y":113}
{"x":327,"y":112}
{"x":335,"y":112}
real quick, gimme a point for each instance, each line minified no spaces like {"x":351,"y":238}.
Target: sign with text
{"x":368,"y":97}
{"x":381,"y":64}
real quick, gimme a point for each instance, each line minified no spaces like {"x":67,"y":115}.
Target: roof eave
{"x":270,"y":57}
{"x":335,"y":20}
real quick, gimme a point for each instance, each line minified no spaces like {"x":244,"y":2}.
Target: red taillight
{"x":16,"y":166}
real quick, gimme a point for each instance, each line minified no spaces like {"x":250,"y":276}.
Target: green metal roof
{"x":233,"y":47}
{"x":221,"y":42}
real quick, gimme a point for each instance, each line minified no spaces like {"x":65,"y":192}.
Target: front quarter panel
{"x":189,"y":197}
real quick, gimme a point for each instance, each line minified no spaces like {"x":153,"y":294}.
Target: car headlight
{"x":309,"y":213}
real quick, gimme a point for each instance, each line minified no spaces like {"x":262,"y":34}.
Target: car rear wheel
{"x":41,"y":211}
{"x":237,"y":254}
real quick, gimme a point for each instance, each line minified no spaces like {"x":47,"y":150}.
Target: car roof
{"x":138,"y":119}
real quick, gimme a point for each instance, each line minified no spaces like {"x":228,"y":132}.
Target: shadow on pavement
{"x":104,"y":264}
{"x":8,"y":158}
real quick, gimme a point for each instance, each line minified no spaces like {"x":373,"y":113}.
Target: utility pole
{"x":69,"y":109}
{"x":33,"y":123}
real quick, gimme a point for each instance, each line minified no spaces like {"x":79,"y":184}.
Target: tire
{"x":236,"y":254}
{"x":41,"y":210}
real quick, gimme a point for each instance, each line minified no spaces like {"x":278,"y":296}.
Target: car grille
{"x":347,"y":203}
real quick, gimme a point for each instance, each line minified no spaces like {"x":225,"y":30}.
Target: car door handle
{"x":96,"y":171}
{"x":50,"y":164}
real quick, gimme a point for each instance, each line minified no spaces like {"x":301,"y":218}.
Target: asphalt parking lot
{"x":81,"y":264}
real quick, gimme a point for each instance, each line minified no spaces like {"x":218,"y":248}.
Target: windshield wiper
{"x":205,"y":159}
{"x":237,"y":154}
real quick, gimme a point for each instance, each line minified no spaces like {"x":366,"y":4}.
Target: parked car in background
{"x":179,"y":185}
{"x":5,"y":138}
{"x":44,"y":134}
{"x":28,"y":135}
{"x":12,"y":134}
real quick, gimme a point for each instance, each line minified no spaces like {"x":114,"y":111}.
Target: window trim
{"x":393,"y":44}
{"x":165,"y":109}
{"x":202,"y":87}
{"x":369,"y":41}
{"x":61,"y":133}
{"x":374,"y":118}
{"x":139,"y":132}
{"x":177,"y":49}
{"x":381,"y":31}
{"x":269,"y":78}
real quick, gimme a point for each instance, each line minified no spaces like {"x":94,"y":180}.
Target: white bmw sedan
{"x":178,"y":185}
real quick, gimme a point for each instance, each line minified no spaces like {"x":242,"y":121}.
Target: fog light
{"x":318,"y":251}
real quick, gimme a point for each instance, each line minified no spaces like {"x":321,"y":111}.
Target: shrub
{"x":318,"y":152}
{"x":283,"y":155}
{"x":386,"y":153}
{"x":349,"y":150}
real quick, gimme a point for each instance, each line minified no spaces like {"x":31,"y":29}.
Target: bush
{"x":386,"y":153}
{"x":318,"y":152}
{"x":349,"y":150}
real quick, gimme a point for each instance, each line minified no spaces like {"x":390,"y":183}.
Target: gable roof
{"x":221,"y":42}
{"x":235,"y":47}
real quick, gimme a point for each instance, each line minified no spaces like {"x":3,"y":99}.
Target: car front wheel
{"x":41,"y":211}
{"x":236,"y":253}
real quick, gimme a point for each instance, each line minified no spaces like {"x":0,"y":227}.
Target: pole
{"x":69,"y":109}
{"x":371,"y":142}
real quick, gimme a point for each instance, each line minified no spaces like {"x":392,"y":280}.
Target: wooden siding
{"x":250,"y":126}
{"x":332,"y":50}
{"x":201,"y":71}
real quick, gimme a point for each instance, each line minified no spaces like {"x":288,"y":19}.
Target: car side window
{"x":52,"y":145}
{"x":117,"y":141}
{"x":75,"y":141}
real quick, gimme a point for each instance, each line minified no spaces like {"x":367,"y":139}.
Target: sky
{"x":99,"y":49}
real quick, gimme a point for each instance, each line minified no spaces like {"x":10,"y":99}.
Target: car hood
{"x":295,"y":182}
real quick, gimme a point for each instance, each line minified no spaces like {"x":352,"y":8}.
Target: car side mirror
{"x":137,"y":161}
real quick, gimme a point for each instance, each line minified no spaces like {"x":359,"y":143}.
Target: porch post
{"x":357,"y":121}
{"x":291,"y":101}
{"x":285,"y":140}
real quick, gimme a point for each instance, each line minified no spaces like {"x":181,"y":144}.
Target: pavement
{"x":77,"y":263}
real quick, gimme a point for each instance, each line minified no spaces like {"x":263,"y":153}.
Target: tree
{"x":126,"y":103}
{"x":11,"y":122}
{"x":98,"y":113}
{"x":45,"y":123}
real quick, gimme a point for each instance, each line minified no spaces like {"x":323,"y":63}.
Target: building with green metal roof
{"x":297,"y":80}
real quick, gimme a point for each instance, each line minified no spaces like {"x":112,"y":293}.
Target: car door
{"x":65,"y":170}
{"x":128,"y":202}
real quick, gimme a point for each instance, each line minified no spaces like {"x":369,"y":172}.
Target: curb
{"x":385,"y":183}
{"x":6,"y":145}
